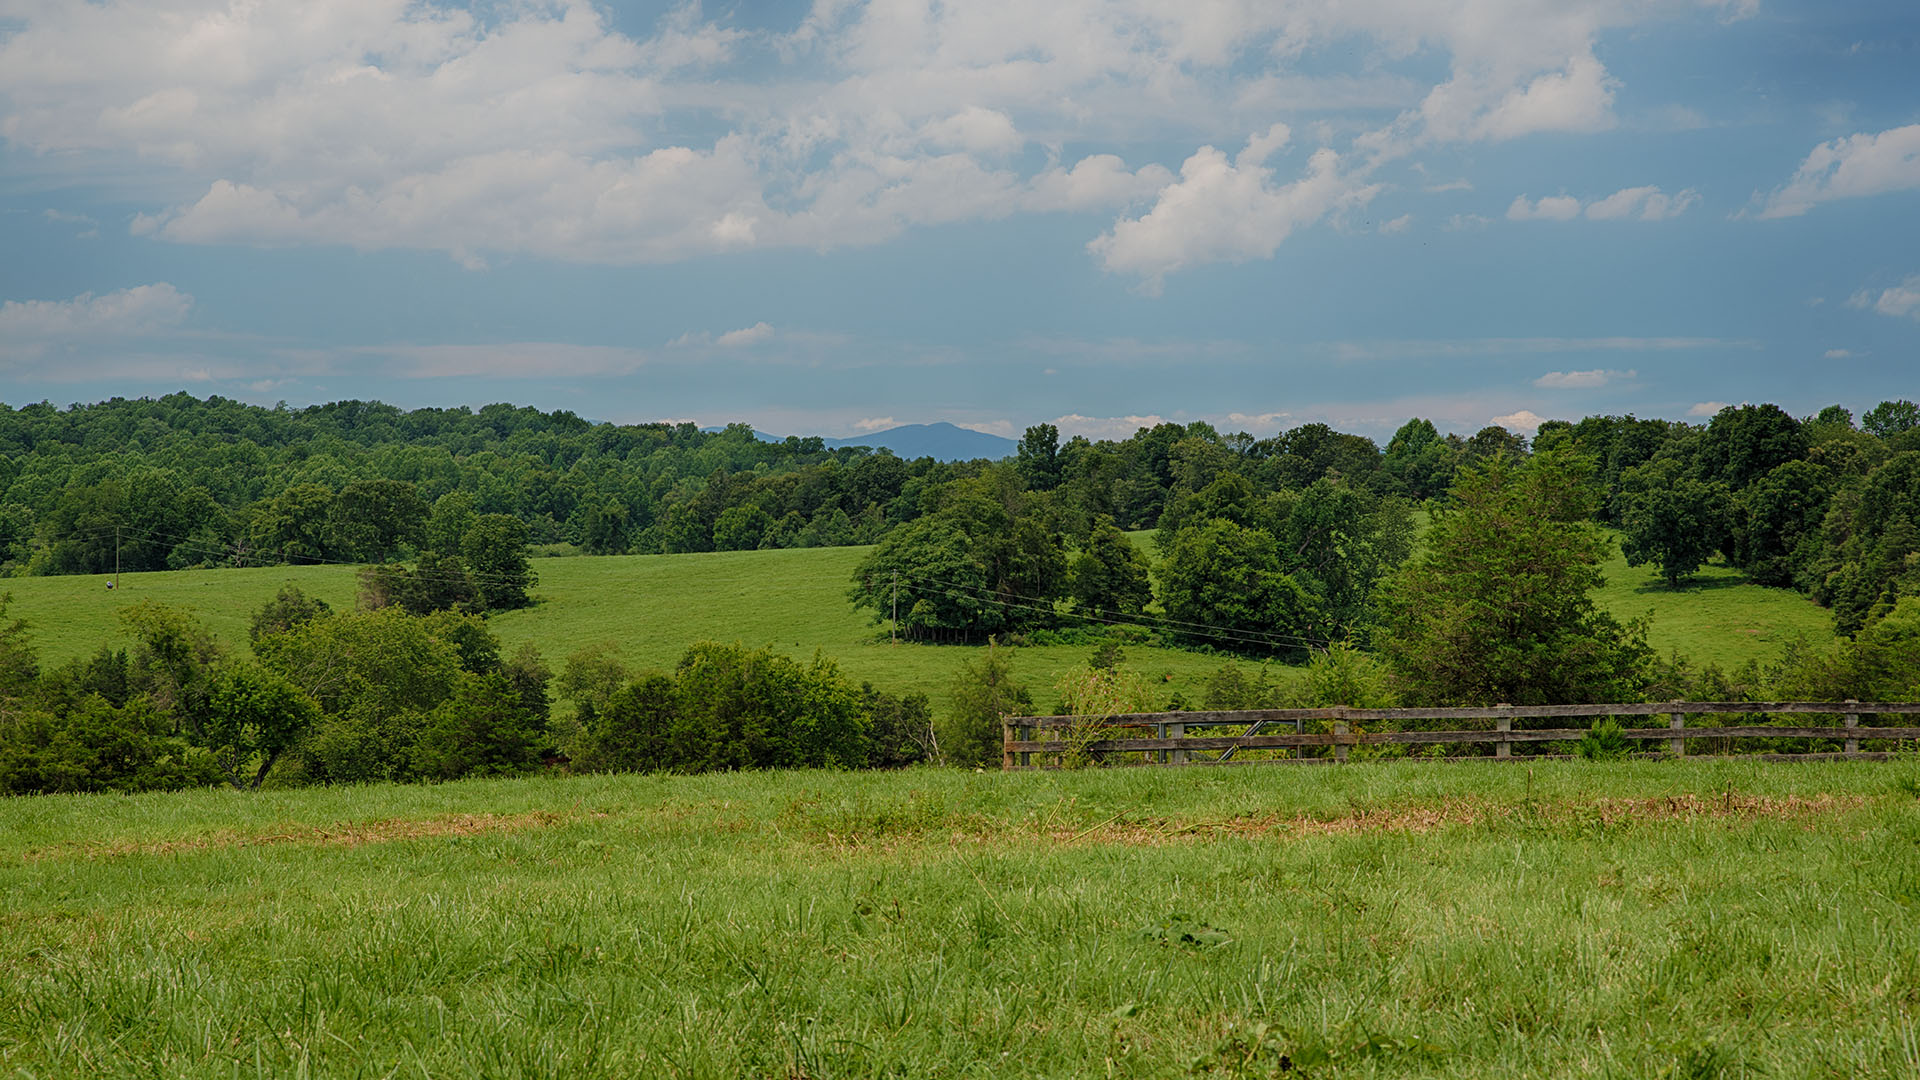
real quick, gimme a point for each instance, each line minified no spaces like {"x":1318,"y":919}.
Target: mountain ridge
{"x":940,"y":440}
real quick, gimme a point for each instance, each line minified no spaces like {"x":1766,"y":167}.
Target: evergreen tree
{"x":1499,"y":607}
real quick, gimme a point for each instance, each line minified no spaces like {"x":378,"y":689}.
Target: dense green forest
{"x":1269,"y":541}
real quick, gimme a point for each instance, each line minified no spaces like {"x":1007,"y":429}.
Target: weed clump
{"x":1605,"y":740}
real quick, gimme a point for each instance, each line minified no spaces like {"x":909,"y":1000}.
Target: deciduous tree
{"x":1671,"y":520}
{"x":1111,"y":577}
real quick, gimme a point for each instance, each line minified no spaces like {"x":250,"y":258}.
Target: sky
{"x":835,"y":217}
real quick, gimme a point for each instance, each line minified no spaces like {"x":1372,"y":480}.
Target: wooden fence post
{"x":1159,"y":732}
{"x":1504,"y":748}
{"x":1853,"y":723}
{"x":1006,"y":744}
{"x":1177,"y":731}
{"x":1677,"y":745}
{"x":1339,"y":748}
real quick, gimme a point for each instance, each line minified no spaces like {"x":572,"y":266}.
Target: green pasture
{"x":1710,"y":918}
{"x":650,"y":607}
{"x":1715,"y":617}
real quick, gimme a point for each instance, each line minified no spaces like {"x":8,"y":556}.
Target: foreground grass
{"x":1702,"y":918}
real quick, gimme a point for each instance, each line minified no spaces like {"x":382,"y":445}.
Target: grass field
{"x":1711,"y":918}
{"x":1715,"y":617}
{"x":650,"y":607}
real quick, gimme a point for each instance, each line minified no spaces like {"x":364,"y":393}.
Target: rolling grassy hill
{"x":650,"y":607}
{"x":1717,"y":617}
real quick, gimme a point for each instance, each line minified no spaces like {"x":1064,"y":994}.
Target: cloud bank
{"x":542,"y":129}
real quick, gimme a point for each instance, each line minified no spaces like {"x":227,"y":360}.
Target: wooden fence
{"x":1194,"y":738}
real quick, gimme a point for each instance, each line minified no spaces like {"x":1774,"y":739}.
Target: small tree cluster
{"x":470,"y":562}
{"x":983,"y":692}
{"x":728,"y":707}
{"x":976,"y":567}
{"x":1281,"y":572}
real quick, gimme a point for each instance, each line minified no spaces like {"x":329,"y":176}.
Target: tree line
{"x":1302,"y":523}
{"x":1497,"y":606}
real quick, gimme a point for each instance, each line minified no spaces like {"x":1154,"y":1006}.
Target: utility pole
{"x":894,"y":634}
{"x":116,"y":557}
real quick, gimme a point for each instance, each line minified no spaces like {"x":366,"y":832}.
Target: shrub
{"x":289,"y":608}
{"x":97,"y":746}
{"x":1343,"y":675}
{"x":902,"y":728}
{"x":983,"y":691}
{"x":636,"y":730}
{"x":253,"y":716}
{"x":485,"y":729}
{"x":1605,"y":740}
{"x":729,"y":707}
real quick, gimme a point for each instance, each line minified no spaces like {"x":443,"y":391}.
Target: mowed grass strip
{"x":1565,"y":919}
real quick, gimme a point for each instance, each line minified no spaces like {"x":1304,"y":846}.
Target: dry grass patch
{"x":1728,"y":805}
{"x":1431,"y":816}
{"x":335,"y":834}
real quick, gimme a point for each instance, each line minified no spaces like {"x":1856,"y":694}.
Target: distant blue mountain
{"x":942,"y":442}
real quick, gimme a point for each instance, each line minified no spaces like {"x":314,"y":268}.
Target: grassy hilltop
{"x":652,"y":606}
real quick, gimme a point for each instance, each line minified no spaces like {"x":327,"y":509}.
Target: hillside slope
{"x":650,"y":607}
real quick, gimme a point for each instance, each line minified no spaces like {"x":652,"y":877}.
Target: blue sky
{"x":833,"y":217}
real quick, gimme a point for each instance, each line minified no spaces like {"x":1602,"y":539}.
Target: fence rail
{"x":1172,"y":743}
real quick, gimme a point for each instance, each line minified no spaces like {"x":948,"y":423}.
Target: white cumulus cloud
{"x":1581,"y":380}
{"x":1579,"y":98}
{"x":1259,"y":421}
{"x":1227,"y":210}
{"x":1105,"y":427}
{"x":975,"y":130}
{"x":540,"y":128}
{"x":142,"y":309}
{"x":750,"y":335}
{"x":1645,"y":203}
{"x":1898,"y":301}
{"x":1545,"y":208}
{"x":1525,"y":421}
{"x":1850,"y":167}
{"x":1706,"y":408}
